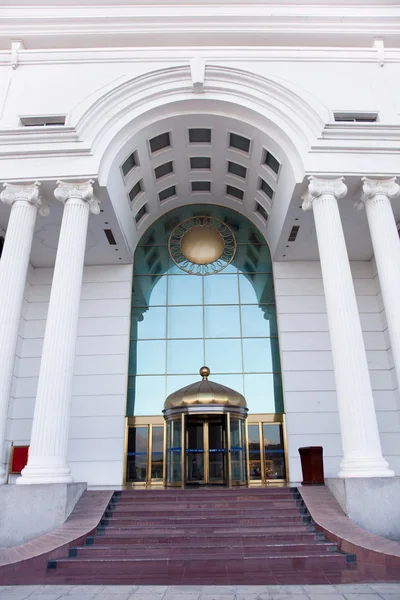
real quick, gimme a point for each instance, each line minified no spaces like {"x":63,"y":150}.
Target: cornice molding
{"x":321,"y":24}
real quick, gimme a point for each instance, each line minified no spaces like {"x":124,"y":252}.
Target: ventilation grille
{"x":293,"y":233}
{"x":110,"y":237}
{"x":356,"y":117}
{"x":55,"y":121}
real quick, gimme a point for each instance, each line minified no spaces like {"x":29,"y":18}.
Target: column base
{"x":364,"y":467}
{"x":45,"y":474}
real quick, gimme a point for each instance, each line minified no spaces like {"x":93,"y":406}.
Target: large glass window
{"x":181,"y":322}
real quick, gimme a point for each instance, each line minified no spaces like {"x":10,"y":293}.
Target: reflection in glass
{"x":157,"y":452}
{"x":274,"y":455}
{"x":137,"y":454}
{"x":233,"y":380}
{"x":254,"y":452}
{"x":150,"y":395}
{"x":181,"y":291}
{"x":177,"y":333}
{"x":238,"y":450}
{"x":195,"y":452}
{"x":177,"y":382}
{"x":224,"y":356}
{"x":185,"y":356}
{"x":149,"y":291}
{"x":185,"y":322}
{"x":252,"y":258}
{"x":257,"y":355}
{"x":174,"y":452}
{"x":255,"y":323}
{"x":259,"y":393}
{"x":222,"y":321}
{"x":151,"y":355}
{"x":221,"y":289}
{"x":152,"y":326}
{"x":256,"y":289}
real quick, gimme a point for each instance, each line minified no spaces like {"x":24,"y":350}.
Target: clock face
{"x":202,"y":245}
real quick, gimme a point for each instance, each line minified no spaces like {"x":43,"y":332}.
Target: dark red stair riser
{"x":204,"y":536}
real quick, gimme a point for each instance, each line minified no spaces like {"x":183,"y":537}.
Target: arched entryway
{"x":189,"y":308}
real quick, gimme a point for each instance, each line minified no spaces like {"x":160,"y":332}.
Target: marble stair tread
{"x":224,"y":533}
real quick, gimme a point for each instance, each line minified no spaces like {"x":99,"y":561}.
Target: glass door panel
{"x":174,"y":452}
{"x":157,"y":453}
{"x":255,"y":466}
{"x":136,"y":471}
{"x":195,"y":453}
{"x":238,"y":450}
{"x":274,"y":453}
{"x":216,"y":452}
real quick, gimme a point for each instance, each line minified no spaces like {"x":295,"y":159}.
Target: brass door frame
{"x":260,"y":420}
{"x":159,"y":421}
{"x":204,"y":420}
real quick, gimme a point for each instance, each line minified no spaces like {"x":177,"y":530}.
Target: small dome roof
{"x":205,"y":392}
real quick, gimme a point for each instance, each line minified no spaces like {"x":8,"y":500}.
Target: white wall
{"x":308,"y":378}
{"x":97,"y":427}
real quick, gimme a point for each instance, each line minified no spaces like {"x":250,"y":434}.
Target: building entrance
{"x":206,"y":451}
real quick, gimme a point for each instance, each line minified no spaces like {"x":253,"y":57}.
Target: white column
{"x":24,"y":201}
{"x":47,"y":461}
{"x":362,"y":454}
{"x":385,"y":241}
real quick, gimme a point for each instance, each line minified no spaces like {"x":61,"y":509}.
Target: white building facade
{"x":94,"y":98}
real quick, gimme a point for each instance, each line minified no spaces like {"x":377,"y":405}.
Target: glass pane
{"x":185,"y":357}
{"x":174,"y":451}
{"x":157,"y":456}
{"x":256,"y":289}
{"x":217,"y":451}
{"x":253,"y":259}
{"x":254,"y":452}
{"x":224,"y":356}
{"x":221,"y":289}
{"x":237,"y":450}
{"x":176,"y":382}
{"x":258,"y":321}
{"x":149,"y":291}
{"x":234,"y":381}
{"x":151,"y":357}
{"x":195,"y":452}
{"x":150,"y":395}
{"x":222,"y":321}
{"x":185,"y":322}
{"x":257,"y":355}
{"x":137,"y":454}
{"x":260,"y":393}
{"x":184,"y":290}
{"x":152,"y":326}
{"x":274,"y":451}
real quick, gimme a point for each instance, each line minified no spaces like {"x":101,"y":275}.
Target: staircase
{"x":204,"y":536}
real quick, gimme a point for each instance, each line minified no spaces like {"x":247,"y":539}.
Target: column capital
{"x":66,"y":190}
{"x":377,"y":187}
{"x":319,"y":187}
{"x":26,"y":193}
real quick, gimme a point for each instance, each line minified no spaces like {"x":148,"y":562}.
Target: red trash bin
{"x":312,"y":465}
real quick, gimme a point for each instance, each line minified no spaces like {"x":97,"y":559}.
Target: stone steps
{"x":179,"y":536}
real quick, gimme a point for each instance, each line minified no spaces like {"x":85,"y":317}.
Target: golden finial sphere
{"x":204,"y":372}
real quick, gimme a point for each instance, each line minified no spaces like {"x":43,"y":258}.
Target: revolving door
{"x":206,"y":449}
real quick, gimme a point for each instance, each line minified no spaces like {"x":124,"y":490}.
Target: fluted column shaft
{"x":385,"y":241}
{"x":25,"y":201}
{"x":47,"y":461}
{"x":362,"y":454}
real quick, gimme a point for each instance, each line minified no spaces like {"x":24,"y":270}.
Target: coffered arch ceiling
{"x":202,"y":158}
